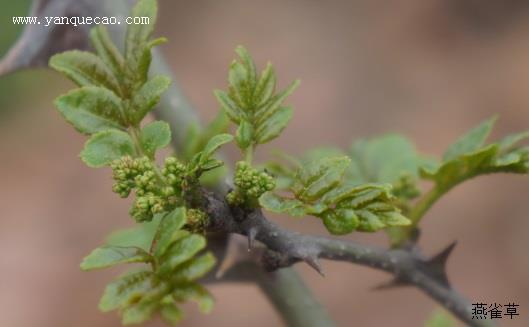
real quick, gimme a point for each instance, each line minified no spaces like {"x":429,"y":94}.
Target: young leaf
{"x":106,"y":49}
{"x":319,"y":176}
{"x":138,"y":313}
{"x":140,"y":236}
{"x":171,"y":314}
{"x":155,"y":136}
{"x":194,"y":292}
{"x":384,"y":159}
{"x":265,"y":86}
{"x":181,"y":251}
{"x":195,"y":268}
{"x":471,"y":141}
{"x":147,"y":97}
{"x":124,"y":290}
{"x":112,"y":255}
{"x":106,"y":146}
{"x":341,"y":222}
{"x":167,"y":230}
{"x":213,"y":145}
{"x":275,"y":203}
{"x":469,"y":157}
{"x":250,"y":102}
{"x":321,"y":191}
{"x":91,"y":109}
{"x":137,"y":45}
{"x":85,"y":69}
{"x":244,"y":135}
{"x":273,"y":125}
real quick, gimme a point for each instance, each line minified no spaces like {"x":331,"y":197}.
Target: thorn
{"x":437,"y":264}
{"x":314,"y":263}
{"x":251,"y":238}
{"x":441,"y":258}
{"x":394,"y":283}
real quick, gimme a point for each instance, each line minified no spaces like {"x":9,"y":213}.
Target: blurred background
{"x":430,"y":70}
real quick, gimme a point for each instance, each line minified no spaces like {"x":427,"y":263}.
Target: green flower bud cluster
{"x":197,"y":220}
{"x":154,"y":193}
{"x":250,"y":185}
{"x":174,"y":171}
{"x":146,"y":206}
{"x":127,"y":172}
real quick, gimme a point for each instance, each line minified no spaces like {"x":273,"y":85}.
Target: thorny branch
{"x":284,"y":248}
{"x":279,"y":247}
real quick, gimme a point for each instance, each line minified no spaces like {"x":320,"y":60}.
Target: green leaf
{"x":137,"y":46}
{"x":196,"y":268}
{"x":506,"y":156}
{"x":91,"y":109}
{"x":318,"y":177}
{"x":251,"y":103}
{"x":106,"y":49}
{"x":273,"y":125}
{"x":251,"y":73}
{"x":125,"y":290}
{"x":229,"y":106}
{"x":148,"y":96}
{"x":509,"y":142}
{"x":138,"y":313}
{"x":85,"y":69}
{"x":340,"y":222}
{"x":320,"y":190}
{"x":181,"y":251}
{"x":213,"y":145}
{"x":266,"y":85}
{"x":275,"y":203}
{"x":140,"y":236}
{"x":384,"y":159}
{"x":168,"y":230}
{"x":112,"y":255}
{"x":471,"y":141}
{"x":197,"y":138}
{"x":275,"y":103}
{"x":106,"y":146}
{"x":155,"y":136}
{"x":171,"y":314}
{"x":194,"y":292}
{"x":244,"y":135}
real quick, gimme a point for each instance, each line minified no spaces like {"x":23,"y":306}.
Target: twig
{"x":285,"y":248}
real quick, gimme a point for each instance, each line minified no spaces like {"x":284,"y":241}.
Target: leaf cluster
{"x":318,"y":189}
{"x":470,"y":156}
{"x":114,"y":96}
{"x":252,"y":102}
{"x":176,"y":264}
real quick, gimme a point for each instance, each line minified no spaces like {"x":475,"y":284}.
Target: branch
{"x":284,"y":248}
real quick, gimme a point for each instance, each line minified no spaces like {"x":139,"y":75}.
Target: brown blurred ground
{"x":428,"y":69}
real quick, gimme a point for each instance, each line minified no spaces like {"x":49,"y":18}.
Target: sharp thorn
{"x":314,"y":263}
{"x":441,"y":258}
{"x":251,"y":238}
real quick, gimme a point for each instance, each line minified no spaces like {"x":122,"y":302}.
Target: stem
{"x":292,"y":299}
{"x":248,"y":154}
{"x":134,"y":133}
{"x":398,"y":236}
